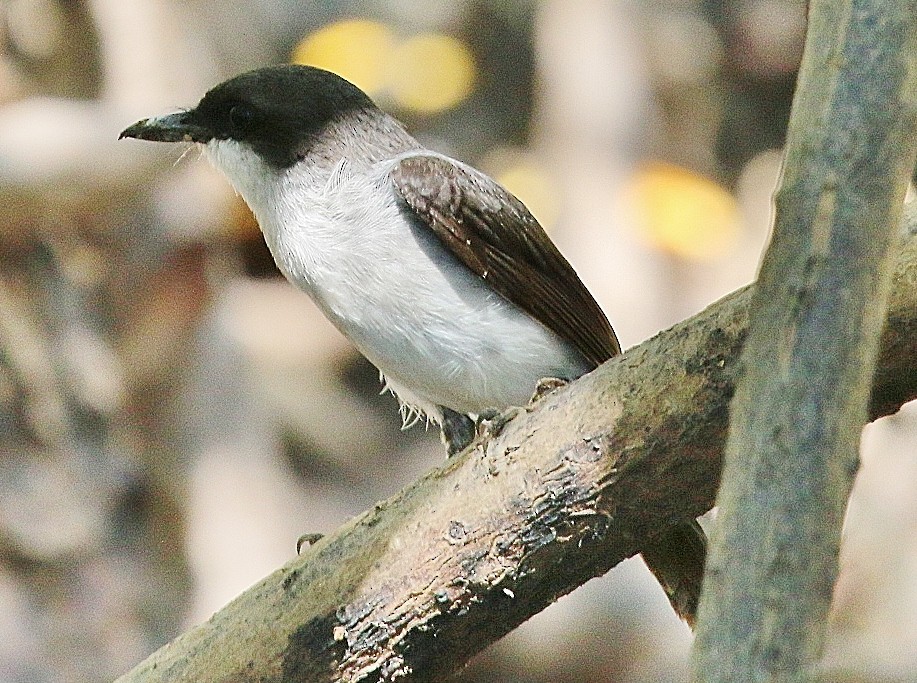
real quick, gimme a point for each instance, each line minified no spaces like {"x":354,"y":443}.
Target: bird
{"x":439,"y":276}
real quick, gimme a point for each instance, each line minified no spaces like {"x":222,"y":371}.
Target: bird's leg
{"x":458,"y":431}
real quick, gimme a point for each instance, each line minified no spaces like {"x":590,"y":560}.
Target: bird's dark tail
{"x":676,"y":558}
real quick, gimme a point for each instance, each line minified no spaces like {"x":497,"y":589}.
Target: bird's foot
{"x":491,"y":422}
{"x":307,"y":539}
{"x":545,"y":386}
{"x":460,"y":431}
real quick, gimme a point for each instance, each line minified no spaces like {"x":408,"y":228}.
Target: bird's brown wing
{"x":494,"y":235}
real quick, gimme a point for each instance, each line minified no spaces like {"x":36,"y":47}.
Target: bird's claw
{"x":491,"y":422}
{"x":307,"y":539}
{"x":545,"y":386}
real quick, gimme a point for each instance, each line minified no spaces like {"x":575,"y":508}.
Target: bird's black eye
{"x":241,"y":117}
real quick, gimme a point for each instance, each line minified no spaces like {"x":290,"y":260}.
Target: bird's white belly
{"x":437,"y":332}
{"x":485,"y":356}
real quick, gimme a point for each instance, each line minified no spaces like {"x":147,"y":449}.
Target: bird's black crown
{"x":278,"y":110}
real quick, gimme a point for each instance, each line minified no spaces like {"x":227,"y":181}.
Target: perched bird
{"x":436,"y":273}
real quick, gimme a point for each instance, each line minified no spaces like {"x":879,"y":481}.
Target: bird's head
{"x":279,"y":112}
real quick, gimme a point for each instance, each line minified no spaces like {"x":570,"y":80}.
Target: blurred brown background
{"x":173,"y":415}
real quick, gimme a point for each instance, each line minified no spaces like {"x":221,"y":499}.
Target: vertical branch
{"x":815,"y":325}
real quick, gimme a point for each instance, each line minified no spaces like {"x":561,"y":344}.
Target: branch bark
{"x":411,"y":589}
{"x":816,"y":321}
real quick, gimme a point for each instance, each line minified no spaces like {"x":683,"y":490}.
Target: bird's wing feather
{"x":494,"y":235}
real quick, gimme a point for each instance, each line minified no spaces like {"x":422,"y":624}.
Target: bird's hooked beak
{"x":177,"y":127}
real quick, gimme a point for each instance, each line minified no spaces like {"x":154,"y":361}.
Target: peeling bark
{"x":816,"y":324}
{"x":411,"y":589}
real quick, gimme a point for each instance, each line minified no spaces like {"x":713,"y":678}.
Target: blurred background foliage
{"x":173,"y":415}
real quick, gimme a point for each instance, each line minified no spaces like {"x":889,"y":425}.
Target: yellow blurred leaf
{"x":531,"y":183}
{"x":431,"y":72}
{"x":682,"y":212}
{"x":356,"y":49}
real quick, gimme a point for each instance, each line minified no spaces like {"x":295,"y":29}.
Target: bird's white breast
{"x":437,"y":332}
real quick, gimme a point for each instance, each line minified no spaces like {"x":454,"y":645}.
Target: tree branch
{"x":816,"y":322}
{"x":411,"y":589}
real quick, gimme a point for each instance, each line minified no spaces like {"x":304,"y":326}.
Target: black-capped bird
{"x":435,"y":272}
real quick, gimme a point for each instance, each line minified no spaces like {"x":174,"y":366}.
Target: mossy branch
{"x":411,"y":589}
{"x":816,"y":323}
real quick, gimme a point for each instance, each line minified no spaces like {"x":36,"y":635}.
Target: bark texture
{"x":816,"y":322}
{"x":411,"y":589}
